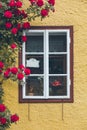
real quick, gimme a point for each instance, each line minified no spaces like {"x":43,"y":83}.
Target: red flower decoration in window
{"x":56,"y":83}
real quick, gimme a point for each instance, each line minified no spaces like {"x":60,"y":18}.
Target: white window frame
{"x":46,"y":63}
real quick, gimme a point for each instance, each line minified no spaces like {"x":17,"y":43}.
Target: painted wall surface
{"x":49,"y":116}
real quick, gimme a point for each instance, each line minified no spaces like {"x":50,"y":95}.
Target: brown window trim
{"x":71,"y":99}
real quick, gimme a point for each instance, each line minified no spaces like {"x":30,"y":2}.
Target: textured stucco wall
{"x":49,"y":116}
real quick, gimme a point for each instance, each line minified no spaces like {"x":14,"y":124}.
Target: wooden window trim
{"x":71,"y":99}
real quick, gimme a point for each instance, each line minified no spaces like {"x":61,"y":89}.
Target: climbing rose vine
{"x":13,"y":20}
{"x":6,"y":118}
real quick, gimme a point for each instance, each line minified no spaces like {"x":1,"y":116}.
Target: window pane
{"x":34,"y":43}
{"x":57,"y":85}
{"x":35,"y":63}
{"x":57,"y":42}
{"x":57,"y":64}
{"x":34,"y":86}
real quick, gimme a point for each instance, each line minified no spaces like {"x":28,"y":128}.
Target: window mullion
{"x":46,"y":66}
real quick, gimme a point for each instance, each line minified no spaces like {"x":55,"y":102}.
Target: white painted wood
{"x":46,"y":62}
{"x":68,"y":63}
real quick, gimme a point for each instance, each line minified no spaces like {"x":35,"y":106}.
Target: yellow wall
{"x":49,"y":116}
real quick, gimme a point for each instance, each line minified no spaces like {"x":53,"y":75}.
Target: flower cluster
{"x":14,"y":73}
{"x":43,"y":6}
{"x":13,"y":20}
{"x":6,"y":117}
{"x":12,"y":16}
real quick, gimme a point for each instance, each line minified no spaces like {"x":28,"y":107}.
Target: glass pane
{"x":34,"y":43}
{"x":57,"y":42}
{"x":34,"y":86}
{"x":35,"y":63}
{"x":57,"y":64}
{"x":57,"y":86}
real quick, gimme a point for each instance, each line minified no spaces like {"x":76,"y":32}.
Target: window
{"x":48,"y":53}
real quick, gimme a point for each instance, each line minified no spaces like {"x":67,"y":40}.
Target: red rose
{"x":3,"y":120}
{"x":8,"y":25}
{"x":18,"y":26}
{"x":20,"y":76}
{"x":26,"y":25}
{"x":14,"y":70}
{"x":27,"y":71}
{"x":52,"y":2}
{"x":21,"y":67}
{"x":40,"y":3}
{"x":23,"y":13}
{"x":1,"y":64}
{"x":14,"y":118}
{"x":14,"y":31}
{"x":0,"y":5}
{"x":8,"y":14}
{"x":18,"y":4}
{"x":2,"y":108}
{"x":17,"y":12}
{"x":6,"y":74}
{"x":13,"y":46}
{"x":24,"y":38}
{"x":44,"y":12}
{"x":12,"y":3}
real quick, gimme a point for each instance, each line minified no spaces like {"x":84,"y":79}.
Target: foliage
{"x":6,"y":118}
{"x":13,"y":20}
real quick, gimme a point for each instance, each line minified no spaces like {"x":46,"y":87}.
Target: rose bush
{"x":13,"y":20}
{"x":6,"y":118}
{"x":2,"y":107}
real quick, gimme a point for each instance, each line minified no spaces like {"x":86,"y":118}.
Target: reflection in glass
{"x":57,"y":43}
{"x":57,"y":86}
{"x":57,"y":64}
{"x":34,"y":44}
{"x":34,"y":86}
{"x":35,"y":63}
